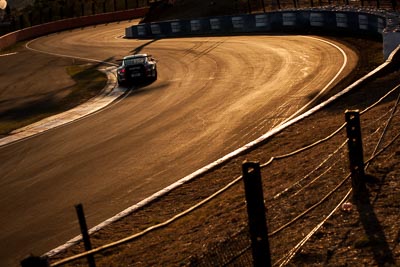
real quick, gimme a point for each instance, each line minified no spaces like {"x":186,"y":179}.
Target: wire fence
{"x":332,"y":193}
{"x":320,"y":184}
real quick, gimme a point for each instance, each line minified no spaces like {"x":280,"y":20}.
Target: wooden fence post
{"x":356,"y":157}
{"x":256,"y":214}
{"x":85,"y":234}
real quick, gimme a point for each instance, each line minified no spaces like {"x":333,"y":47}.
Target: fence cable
{"x":313,"y":144}
{"x":383,"y":149}
{"x":309,"y":174}
{"x":310,"y":208}
{"x":386,"y":128}
{"x":286,"y":259}
{"x":380,"y":100}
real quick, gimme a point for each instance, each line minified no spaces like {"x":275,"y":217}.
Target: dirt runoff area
{"x":312,"y":217}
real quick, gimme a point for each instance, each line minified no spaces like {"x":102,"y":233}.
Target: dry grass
{"x":88,"y":83}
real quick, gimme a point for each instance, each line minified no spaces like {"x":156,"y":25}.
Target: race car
{"x":136,"y":68}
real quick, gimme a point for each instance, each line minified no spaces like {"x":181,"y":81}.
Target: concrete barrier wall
{"x":391,"y":40}
{"x":56,"y":26}
{"x":371,"y":24}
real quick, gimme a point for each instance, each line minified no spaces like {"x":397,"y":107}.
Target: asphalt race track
{"x":212,"y":96}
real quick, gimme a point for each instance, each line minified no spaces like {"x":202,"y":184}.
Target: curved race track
{"x":213,"y":95}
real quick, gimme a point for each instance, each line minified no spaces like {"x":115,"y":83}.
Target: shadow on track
{"x":145,"y":87}
{"x":139,"y":49}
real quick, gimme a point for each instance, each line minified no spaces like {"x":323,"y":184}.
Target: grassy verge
{"x":88,"y":83}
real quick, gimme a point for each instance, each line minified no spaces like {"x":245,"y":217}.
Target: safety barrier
{"x":66,"y":24}
{"x":380,"y":24}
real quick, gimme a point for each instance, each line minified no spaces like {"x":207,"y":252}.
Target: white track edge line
{"x":345,"y":60}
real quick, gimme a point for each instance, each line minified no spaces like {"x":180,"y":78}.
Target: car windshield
{"x":134,"y":61}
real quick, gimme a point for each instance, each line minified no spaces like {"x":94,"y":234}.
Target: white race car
{"x":135,"y":68}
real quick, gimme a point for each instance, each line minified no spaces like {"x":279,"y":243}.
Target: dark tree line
{"x":43,"y":11}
